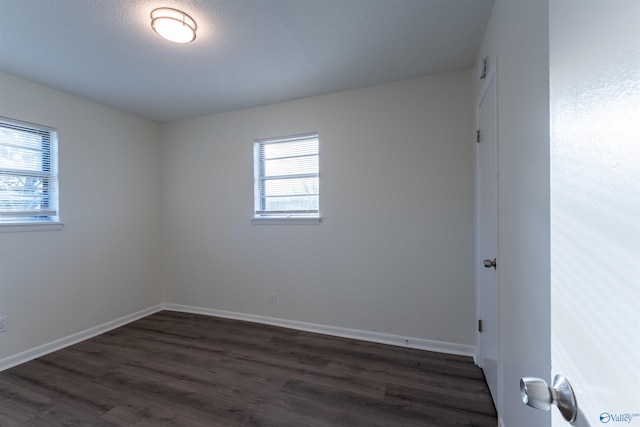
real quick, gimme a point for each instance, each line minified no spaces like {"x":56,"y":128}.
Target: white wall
{"x":104,"y":263}
{"x":517,"y":39}
{"x":394,"y":252}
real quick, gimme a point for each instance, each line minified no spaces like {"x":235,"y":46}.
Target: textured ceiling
{"x":247,"y":52}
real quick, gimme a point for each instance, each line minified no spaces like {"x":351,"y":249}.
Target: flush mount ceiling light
{"x":173,"y":24}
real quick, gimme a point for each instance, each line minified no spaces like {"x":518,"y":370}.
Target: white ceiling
{"x":247,"y":52}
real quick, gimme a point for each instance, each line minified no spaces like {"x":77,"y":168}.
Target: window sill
{"x":283,"y":220}
{"x":30,"y":226}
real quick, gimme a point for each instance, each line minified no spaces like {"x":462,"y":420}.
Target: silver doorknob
{"x":488,"y":263}
{"x":536,"y":393}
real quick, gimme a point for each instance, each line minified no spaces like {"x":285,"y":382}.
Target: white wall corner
{"x":44,"y":349}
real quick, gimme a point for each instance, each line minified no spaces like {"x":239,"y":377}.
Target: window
{"x":28,"y":174}
{"x":286,"y":179}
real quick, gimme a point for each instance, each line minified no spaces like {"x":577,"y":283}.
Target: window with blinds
{"x":28,"y":173}
{"x":286,"y":177}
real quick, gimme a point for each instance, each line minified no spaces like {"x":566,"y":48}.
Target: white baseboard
{"x":377,"y":337}
{"x":41,"y":350}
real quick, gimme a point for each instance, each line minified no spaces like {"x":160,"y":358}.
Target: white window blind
{"x":286,"y":176}
{"x":28,"y":173}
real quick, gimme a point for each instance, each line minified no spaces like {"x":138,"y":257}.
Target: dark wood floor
{"x":189,"y":370}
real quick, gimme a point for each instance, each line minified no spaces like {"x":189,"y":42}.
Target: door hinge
{"x":478,"y":135}
{"x":479,"y":325}
{"x":490,"y":263}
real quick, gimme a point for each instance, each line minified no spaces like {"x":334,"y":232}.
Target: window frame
{"x":47,"y":216}
{"x":262,"y":215}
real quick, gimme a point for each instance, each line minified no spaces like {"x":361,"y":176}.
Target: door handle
{"x":488,"y":263}
{"x":536,"y":393}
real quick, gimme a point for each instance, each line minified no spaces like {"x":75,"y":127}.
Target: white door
{"x":487,"y":233}
{"x":595,"y":207}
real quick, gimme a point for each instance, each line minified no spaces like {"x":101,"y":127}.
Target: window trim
{"x":17,"y":227}
{"x":263,"y":216}
{"x":49,"y":171}
{"x":286,"y":220}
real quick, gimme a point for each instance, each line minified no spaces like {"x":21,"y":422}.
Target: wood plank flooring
{"x":179,"y":369}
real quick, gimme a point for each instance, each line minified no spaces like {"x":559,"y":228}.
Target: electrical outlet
{"x":273,"y":298}
{"x":4,"y":323}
